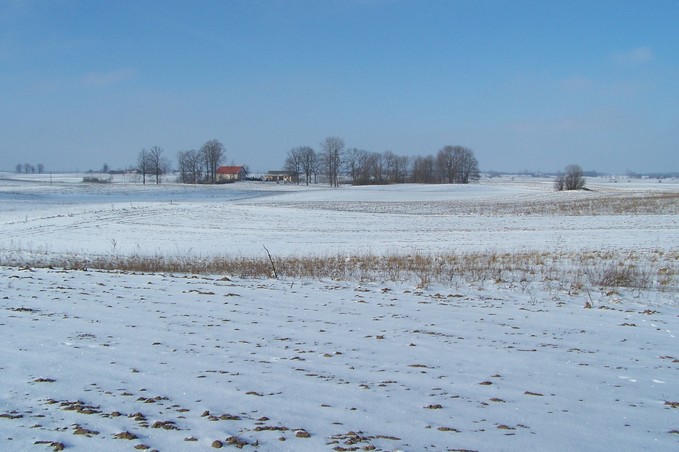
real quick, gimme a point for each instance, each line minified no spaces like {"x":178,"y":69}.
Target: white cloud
{"x":634,"y":57}
{"x":104,"y":79}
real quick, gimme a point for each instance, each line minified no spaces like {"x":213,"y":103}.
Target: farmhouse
{"x":280,"y":176}
{"x":231,"y":173}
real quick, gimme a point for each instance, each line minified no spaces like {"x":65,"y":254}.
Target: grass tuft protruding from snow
{"x":657,"y":269}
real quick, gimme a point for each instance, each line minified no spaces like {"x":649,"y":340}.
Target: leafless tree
{"x":572,"y":179}
{"x":158,"y":164}
{"x":445,"y":164}
{"x":457,"y":165}
{"x":467,"y":165}
{"x":309,"y":162}
{"x":143,"y":164}
{"x":424,"y":170}
{"x":41,"y":168}
{"x":183,"y":168}
{"x":190,"y":167}
{"x":18,"y":167}
{"x":213,"y":154}
{"x":195,"y":166}
{"x":331,"y":151}
{"x":375,"y":167}
{"x":390,"y":166}
{"x":293,"y":162}
{"x":404,"y":168}
{"x":396,"y":167}
{"x":355,"y":161}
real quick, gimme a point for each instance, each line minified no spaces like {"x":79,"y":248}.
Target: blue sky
{"x":525,"y":84}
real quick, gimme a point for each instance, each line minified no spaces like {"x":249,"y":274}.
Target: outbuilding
{"x":231,"y":173}
{"x":280,"y":176}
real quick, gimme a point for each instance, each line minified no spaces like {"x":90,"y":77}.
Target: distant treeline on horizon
{"x":491,"y":173}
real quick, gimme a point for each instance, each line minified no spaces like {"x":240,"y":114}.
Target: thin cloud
{"x":634,"y":57}
{"x":108,"y":78}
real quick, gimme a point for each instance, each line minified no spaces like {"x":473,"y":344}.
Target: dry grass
{"x":622,"y":274}
{"x":573,"y":271}
{"x":653,"y":203}
{"x":572,"y":203}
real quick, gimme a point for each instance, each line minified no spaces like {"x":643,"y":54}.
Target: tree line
{"x":334,"y":162}
{"x":28,"y":168}
{"x":193,"y":166}
{"x":451,"y":165}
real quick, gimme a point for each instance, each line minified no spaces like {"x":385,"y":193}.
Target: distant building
{"x":280,"y":176}
{"x":231,"y":173}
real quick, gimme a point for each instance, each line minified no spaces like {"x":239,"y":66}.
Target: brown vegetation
{"x":655,"y":269}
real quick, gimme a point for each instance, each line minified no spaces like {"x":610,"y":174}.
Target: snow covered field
{"x":93,"y":360}
{"x":238,"y":219}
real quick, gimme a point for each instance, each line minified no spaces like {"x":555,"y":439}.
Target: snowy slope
{"x":179,"y":362}
{"x":238,"y":219}
{"x":118,"y":361}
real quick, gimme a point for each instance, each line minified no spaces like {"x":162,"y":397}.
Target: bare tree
{"x":18,"y":167}
{"x":158,"y":164}
{"x":390,"y":166}
{"x":467,"y":165}
{"x":445,"y":164}
{"x":355,"y":161}
{"x":143,"y":164}
{"x":195,"y":166}
{"x":457,"y":165}
{"x":309,"y":162}
{"x":293,"y":162}
{"x":572,"y":179}
{"x":396,"y":167}
{"x":190,"y":167}
{"x":332,"y":148}
{"x":375,"y":168}
{"x":213,"y":154}
{"x":41,"y":168}
{"x":184,"y":167}
{"x":424,"y":170}
{"x":404,"y":168}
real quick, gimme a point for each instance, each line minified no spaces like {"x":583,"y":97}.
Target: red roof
{"x":230,"y":169}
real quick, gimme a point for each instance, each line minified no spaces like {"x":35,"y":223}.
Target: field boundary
{"x":571,"y":271}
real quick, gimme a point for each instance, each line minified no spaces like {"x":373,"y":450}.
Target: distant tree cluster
{"x":200,"y":166}
{"x":452,"y":165}
{"x":193,"y":166}
{"x":364,"y":167}
{"x":152,"y":163}
{"x":333,"y":162}
{"x":28,"y":168}
{"x":302,"y":161}
{"x":332,"y":149}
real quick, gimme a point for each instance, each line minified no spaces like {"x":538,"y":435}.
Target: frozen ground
{"x":179,"y":362}
{"x":238,"y":219}
{"x":94,"y":360}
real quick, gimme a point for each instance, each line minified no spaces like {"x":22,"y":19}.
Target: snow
{"x":86,"y":355}
{"x":331,"y":358}
{"x":238,"y":219}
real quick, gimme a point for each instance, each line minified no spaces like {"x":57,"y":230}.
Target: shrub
{"x":572,"y":179}
{"x":621,"y":274}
